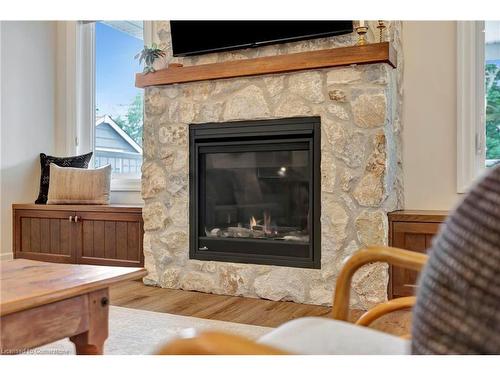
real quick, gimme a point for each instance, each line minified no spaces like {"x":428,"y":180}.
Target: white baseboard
{"x":6,"y":256}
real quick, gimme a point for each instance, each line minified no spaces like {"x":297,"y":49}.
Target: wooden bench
{"x":108,"y":235}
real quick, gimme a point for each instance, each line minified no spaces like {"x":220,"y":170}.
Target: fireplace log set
{"x":242,"y":232}
{"x":266,"y":231}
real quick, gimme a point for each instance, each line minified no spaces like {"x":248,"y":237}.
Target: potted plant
{"x":148,"y":55}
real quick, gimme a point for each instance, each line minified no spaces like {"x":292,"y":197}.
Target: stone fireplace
{"x":356,"y":110}
{"x":255,"y":192}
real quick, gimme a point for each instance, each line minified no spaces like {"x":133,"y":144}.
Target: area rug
{"x":133,"y":331}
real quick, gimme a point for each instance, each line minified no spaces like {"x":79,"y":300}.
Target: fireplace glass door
{"x":257,"y":194}
{"x":254,"y":199}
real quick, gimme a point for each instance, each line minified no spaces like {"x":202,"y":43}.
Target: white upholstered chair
{"x":313,"y":335}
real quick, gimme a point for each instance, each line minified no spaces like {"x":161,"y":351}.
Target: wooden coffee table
{"x":43,"y":302}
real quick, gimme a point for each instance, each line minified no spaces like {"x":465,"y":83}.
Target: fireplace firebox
{"x":255,"y":192}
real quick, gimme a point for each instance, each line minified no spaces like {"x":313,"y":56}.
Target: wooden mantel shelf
{"x":367,"y":54}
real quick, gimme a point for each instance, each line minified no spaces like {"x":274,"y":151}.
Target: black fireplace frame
{"x":285,"y":133}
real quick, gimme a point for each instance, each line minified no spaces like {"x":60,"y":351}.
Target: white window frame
{"x":82,"y":74}
{"x":471,"y":131}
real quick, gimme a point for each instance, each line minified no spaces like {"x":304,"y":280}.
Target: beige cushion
{"x":321,"y":336}
{"x":79,"y":186}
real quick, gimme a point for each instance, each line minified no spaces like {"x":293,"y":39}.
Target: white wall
{"x":27,"y":71}
{"x":429,"y":115}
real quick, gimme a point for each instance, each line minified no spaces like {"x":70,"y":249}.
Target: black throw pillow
{"x":80,"y":161}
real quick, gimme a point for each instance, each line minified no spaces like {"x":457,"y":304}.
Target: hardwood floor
{"x":211,"y":306}
{"x":136,"y":295}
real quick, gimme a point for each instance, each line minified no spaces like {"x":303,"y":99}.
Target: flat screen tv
{"x":199,"y":37}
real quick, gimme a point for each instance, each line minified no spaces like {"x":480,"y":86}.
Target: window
{"x":118,"y":103}
{"x":492,"y":89}
{"x":108,"y":107}
{"x":478,"y":100}
{"x":470,"y":103}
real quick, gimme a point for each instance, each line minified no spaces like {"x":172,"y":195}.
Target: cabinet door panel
{"x":55,"y":230}
{"x":98,"y":242}
{"x":66,"y":237}
{"x":121,"y":239}
{"x":25,"y":233}
{"x":88,"y":238}
{"x":134,"y":236}
{"x":35,"y":235}
{"x":414,"y":237}
{"x":44,"y":235}
{"x":110,"y":239}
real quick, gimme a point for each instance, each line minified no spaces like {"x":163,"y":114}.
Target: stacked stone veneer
{"x":360,"y":171}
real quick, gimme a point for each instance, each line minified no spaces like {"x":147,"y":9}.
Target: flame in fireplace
{"x":253,"y":223}
{"x":266,"y":228}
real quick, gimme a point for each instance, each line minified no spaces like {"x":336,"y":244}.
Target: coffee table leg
{"x":83,"y":347}
{"x":92,"y":341}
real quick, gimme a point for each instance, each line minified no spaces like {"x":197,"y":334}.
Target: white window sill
{"x":126,"y":184}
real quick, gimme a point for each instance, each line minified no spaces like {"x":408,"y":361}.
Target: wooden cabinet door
{"x":409,"y":236}
{"x":112,"y":239}
{"x":44,"y":235}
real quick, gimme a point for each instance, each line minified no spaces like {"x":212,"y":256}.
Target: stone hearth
{"x":360,"y":169}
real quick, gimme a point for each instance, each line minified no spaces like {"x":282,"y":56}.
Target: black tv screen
{"x":199,"y":37}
